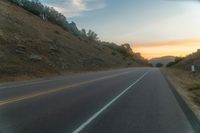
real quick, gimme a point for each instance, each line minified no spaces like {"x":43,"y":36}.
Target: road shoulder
{"x":191,"y":110}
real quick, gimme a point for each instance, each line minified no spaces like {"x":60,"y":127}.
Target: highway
{"x":131,"y":100}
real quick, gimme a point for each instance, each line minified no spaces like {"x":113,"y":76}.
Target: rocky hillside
{"x":31,"y":46}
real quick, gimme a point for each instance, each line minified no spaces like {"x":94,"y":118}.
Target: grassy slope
{"x":188,"y":82}
{"x":186,"y":63}
{"x":188,"y":86}
{"x":31,"y":47}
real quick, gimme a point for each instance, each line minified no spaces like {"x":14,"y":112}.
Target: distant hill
{"x":164,"y":60}
{"x":31,"y":46}
{"x":192,"y":59}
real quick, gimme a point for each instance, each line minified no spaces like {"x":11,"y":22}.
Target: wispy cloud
{"x":72,"y":8}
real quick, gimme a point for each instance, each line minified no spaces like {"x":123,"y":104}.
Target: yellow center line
{"x":20,"y":98}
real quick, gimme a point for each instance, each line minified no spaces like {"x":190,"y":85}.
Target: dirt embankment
{"x":188,"y":85}
{"x":31,"y":47}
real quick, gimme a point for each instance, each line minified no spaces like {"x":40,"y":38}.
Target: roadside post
{"x":193,"y":69}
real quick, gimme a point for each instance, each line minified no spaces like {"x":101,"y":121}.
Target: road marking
{"x":17,"y":99}
{"x":82,"y":126}
{"x":31,"y":82}
{"x":23,"y":84}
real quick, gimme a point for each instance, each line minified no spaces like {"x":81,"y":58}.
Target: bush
{"x":45,"y":12}
{"x":53,"y":16}
{"x":113,"y":53}
{"x":159,"y":65}
{"x":177,"y":60}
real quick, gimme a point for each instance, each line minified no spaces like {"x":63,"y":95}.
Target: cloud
{"x":72,"y":8}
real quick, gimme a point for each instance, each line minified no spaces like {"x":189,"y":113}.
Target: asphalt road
{"x":134,"y":100}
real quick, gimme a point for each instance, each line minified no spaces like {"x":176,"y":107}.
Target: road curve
{"x":132,"y":100}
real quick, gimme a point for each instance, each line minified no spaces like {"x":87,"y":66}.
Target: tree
{"x":177,"y":60}
{"x":159,"y":65}
{"x":83,"y":33}
{"x":92,"y":35}
{"x":128,"y":48}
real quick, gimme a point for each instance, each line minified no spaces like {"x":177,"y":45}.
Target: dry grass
{"x":24,"y":35}
{"x":186,"y":79}
{"x":188,"y":85}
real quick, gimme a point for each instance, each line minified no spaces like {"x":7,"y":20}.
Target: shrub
{"x":177,"y":60}
{"x":159,"y":65}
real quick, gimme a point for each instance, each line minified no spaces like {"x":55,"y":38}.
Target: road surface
{"x":133,"y":100}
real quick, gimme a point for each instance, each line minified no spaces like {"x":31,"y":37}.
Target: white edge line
{"x":82,"y":126}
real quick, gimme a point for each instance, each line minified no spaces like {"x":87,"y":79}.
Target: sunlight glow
{"x":173,"y":48}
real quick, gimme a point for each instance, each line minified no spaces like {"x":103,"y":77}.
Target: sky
{"x":152,"y":27}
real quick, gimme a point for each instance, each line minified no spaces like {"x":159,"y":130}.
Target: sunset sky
{"x":154,"y":27}
{"x":164,"y":48}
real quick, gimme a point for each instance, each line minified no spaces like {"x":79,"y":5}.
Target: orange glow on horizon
{"x":167,"y":48}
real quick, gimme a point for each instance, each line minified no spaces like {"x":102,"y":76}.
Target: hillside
{"x":192,"y":59}
{"x":32,"y":47}
{"x":164,"y":60}
{"x":187,"y":83}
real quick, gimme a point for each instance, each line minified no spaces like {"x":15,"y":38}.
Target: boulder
{"x":35,"y":57}
{"x":20,"y":49}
